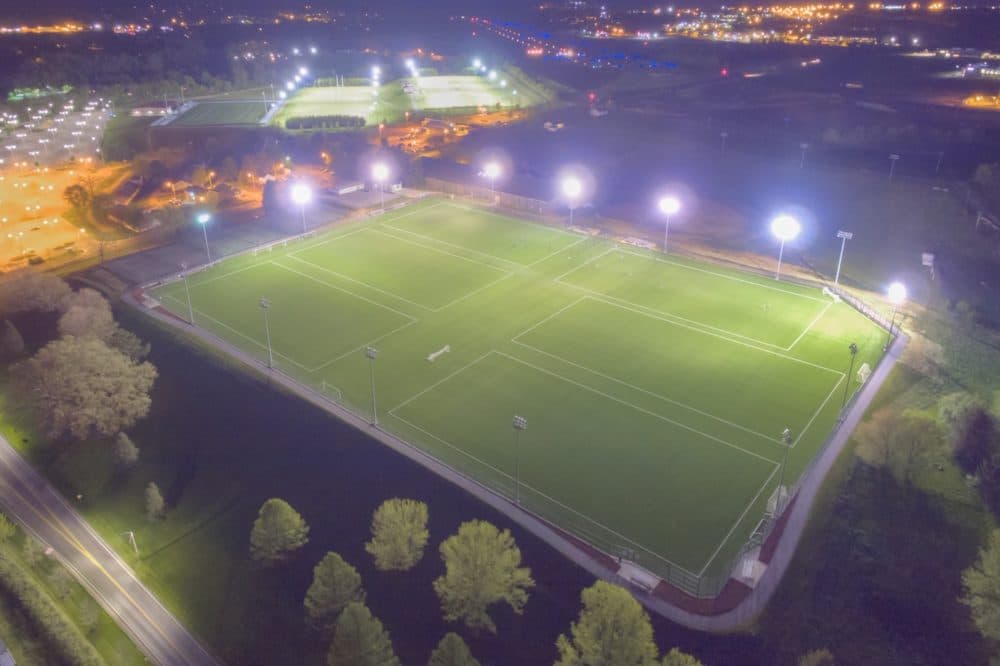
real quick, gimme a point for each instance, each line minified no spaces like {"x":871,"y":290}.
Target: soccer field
{"x":655,"y":388}
{"x":222,"y":113}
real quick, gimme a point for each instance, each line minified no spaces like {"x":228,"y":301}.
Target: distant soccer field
{"x":655,"y":388}
{"x":222,"y":113}
{"x":345,"y":101}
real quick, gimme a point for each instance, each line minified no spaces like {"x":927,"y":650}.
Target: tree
{"x":41,"y":292}
{"x":359,"y":639}
{"x":399,"y":534}
{"x":613,"y":630}
{"x":11,"y":342}
{"x":677,"y":658}
{"x":981,"y":582}
{"x":82,"y":387}
{"x":335,"y":584}
{"x":59,"y":582}
{"x":129,"y":344}
{"x":77,"y":196}
{"x":820,"y":657}
{"x":897,"y":441}
{"x":984,"y":173}
{"x":482,"y":567}
{"x":155,"y":505}
{"x":278,"y":530}
{"x":7,"y":528}
{"x":452,"y":651}
{"x":126,"y":453}
{"x":87,"y":315}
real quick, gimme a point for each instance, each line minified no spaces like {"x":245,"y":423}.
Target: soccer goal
{"x":864,"y":372}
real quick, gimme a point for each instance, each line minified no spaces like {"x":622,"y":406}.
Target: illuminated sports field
{"x":240,"y":112}
{"x":655,"y":388}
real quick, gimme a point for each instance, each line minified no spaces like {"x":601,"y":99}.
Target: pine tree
{"x":452,"y":651}
{"x":335,"y":584}
{"x":360,"y":640}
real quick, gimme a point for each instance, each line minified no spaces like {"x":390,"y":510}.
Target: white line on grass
{"x":559,"y":278}
{"x":721,"y":275}
{"x":739,"y":520}
{"x":434,"y":249}
{"x":361,"y":282}
{"x":236,"y":332}
{"x":562,"y":249}
{"x":509,"y":218}
{"x":811,"y":324}
{"x":819,"y":409}
{"x":612,"y":302}
{"x":635,"y":407}
{"x":346,"y":291}
{"x":455,"y":245}
{"x":373,"y":341}
{"x":440,"y":381}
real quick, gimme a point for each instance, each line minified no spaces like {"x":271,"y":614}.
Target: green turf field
{"x":346,"y":101}
{"x":222,"y":113}
{"x":655,"y":388}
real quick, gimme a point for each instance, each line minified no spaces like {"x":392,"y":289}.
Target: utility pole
{"x":853,"y":349}
{"x":372,"y":354}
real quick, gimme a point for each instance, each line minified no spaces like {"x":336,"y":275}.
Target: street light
{"x":265,"y":305}
{"x":668,"y":206}
{"x":853,"y":349}
{"x":897,"y":294}
{"x":785,"y":227}
{"x":844,"y":236}
{"x":520,"y":423}
{"x":380,"y":173}
{"x":572,"y":188}
{"x":372,"y":354}
{"x":301,"y":194}
{"x":492,"y":170}
{"x":786,"y":439}
{"x":203,"y":219}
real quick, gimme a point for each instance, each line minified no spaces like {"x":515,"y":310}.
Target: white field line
{"x":650,"y":393}
{"x":612,"y":302}
{"x":739,"y":520}
{"x":721,"y":275}
{"x":635,"y":407}
{"x":549,"y":318}
{"x":562,"y":249}
{"x":438,"y":250}
{"x":373,"y":341}
{"x":473,"y":292}
{"x":361,"y":282}
{"x":509,"y":219}
{"x":236,"y":332}
{"x":454,"y":245}
{"x":440,"y":381}
{"x":193,"y":284}
{"x":819,"y":409}
{"x":351,"y":293}
{"x":559,"y":278}
{"x":534,"y":490}
{"x":811,"y":324}
{"x":363,"y":225}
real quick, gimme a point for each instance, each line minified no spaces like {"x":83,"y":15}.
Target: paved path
{"x":29,"y":499}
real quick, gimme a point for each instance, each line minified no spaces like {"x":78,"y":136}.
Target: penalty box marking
{"x":391,"y":294}
{"x":776,"y":465}
{"x":615,"y":250}
{"x":557,"y":313}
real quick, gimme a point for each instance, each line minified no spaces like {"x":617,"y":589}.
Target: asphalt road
{"x":29,"y":499}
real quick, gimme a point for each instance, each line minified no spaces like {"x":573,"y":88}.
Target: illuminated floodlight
{"x":503,"y":83}
{"x":409,"y":63}
{"x":896,"y":293}
{"x":785,"y":228}
{"x":572,"y":188}
{"x":669,"y":205}
{"x":312,"y":50}
{"x":492,"y":170}
{"x":301,"y":194}
{"x":289,"y":85}
{"x":282,"y":94}
{"x":298,"y":78}
{"x":303,"y":71}
{"x":493,"y":75}
{"x":295,"y":51}
{"x":380,"y":174}
{"x":376,"y":71}
{"x":482,"y":68}
{"x":203,"y":218}
{"x":477,"y":63}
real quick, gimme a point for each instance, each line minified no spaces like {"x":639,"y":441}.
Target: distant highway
{"x":29,"y":499}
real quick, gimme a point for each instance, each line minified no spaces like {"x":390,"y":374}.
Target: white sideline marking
{"x":739,"y":520}
{"x":559,"y":278}
{"x":508,"y":218}
{"x":811,"y":324}
{"x":332,"y":286}
{"x":438,"y":250}
{"x":454,"y":245}
{"x":392,"y":412}
{"x":819,"y":409}
{"x":361,"y":282}
{"x":721,"y":275}
{"x":552,"y":254}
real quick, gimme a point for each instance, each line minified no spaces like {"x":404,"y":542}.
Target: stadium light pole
{"x":853,"y":349}
{"x":844,"y":236}
{"x":786,"y":439}
{"x":892,"y":165}
{"x":785,"y":227}
{"x":492,"y":170}
{"x":301,"y":194}
{"x":520,"y":423}
{"x":668,"y":206}
{"x":380,"y":173}
{"x":187,"y":292}
{"x":897,"y":294}
{"x":203,"y":219}
{"x":572,"y":188}
{"x":372,"y":354}
{"x":802,"y":160}
{"x":265,"y":305}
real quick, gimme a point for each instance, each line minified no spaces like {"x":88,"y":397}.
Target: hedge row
{"x":53,"y":624}
{"x":325,"y":122}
